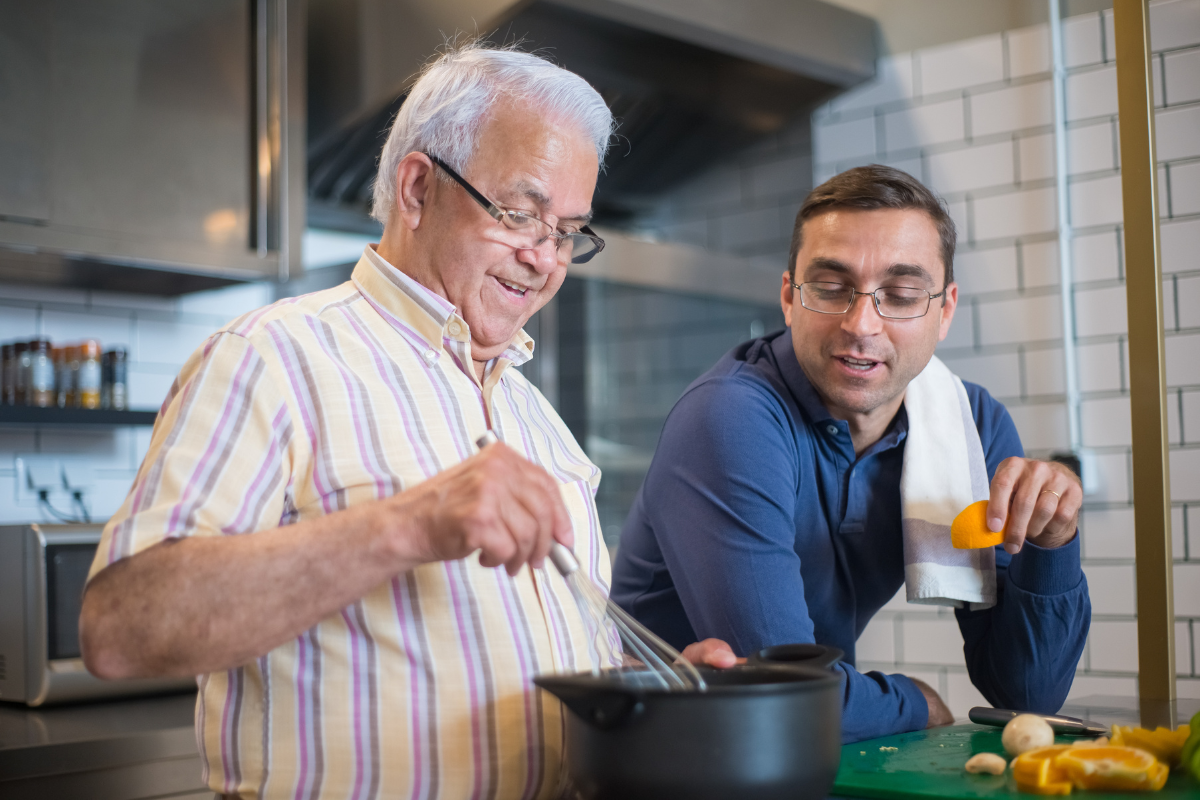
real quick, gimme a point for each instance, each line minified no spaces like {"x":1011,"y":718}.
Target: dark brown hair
{"x":875,"y":187}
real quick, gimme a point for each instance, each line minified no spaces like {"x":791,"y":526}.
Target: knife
{"x":999,"y":717}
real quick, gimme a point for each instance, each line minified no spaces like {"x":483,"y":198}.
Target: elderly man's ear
{"x":414,"y":182}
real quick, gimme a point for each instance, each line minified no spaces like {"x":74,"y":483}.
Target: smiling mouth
{"x":513,"y":288}
{"x":857,"y":364}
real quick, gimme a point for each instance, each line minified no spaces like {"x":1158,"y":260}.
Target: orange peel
{"x":1037,"y":772}
{"x":1060,"y":768}
{"x":1120,"y":769}
{"x":969,"y":530}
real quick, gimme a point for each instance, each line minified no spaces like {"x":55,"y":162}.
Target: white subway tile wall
{"x":994,"y":165}
{"x":160,"y":333}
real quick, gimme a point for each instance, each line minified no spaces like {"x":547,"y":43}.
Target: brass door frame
{"x":1147,"y":365}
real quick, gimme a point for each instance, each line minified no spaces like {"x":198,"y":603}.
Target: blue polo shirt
{"x":758,"y":524}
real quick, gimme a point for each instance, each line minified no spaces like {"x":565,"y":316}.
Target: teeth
{"x":858,"y":363}
{"x":516,"y":287}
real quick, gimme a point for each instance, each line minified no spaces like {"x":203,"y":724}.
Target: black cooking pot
{"x":770,"y":728}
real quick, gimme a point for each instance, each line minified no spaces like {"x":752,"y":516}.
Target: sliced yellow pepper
{"x":1165,"y":744}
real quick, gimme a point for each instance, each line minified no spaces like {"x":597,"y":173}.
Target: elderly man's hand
{"x":712,"y":653}
{"x":496,"y":502}
{"x":1038,"y":500}
{"x":939,"y":712}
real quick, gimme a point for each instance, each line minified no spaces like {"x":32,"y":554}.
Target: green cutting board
{"x":930,"y":764}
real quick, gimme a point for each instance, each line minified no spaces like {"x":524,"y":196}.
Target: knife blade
{"x":1070,"y":726}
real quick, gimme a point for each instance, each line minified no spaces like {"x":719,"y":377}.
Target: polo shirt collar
{"x":784,"y":353}
{"x":417,"y":311}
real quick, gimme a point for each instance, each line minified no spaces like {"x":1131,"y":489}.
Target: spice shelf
{"x":33,"y":416}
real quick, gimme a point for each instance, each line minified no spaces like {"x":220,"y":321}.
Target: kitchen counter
{"x":146,"y":748}
{"x":116,"y":750}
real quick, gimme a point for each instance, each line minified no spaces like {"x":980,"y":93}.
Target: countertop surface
{"x":39,"y":741}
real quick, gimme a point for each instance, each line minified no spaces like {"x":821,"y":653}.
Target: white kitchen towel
{"x":944,"y":472}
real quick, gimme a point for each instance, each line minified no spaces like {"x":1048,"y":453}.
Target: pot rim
{"x":815,"y":679}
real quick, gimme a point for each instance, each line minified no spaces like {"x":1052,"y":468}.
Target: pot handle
{"x":605,"y":709}
{"x":810,"y":655}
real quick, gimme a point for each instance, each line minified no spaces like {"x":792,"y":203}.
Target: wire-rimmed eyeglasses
{"x":524,"y":231}
{"x":892,"y":302}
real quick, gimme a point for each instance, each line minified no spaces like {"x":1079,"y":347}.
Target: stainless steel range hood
{"x":691,"y":82}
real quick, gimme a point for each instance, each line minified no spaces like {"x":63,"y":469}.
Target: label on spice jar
{"x":89,"y":376}
{"x":42,"y":375}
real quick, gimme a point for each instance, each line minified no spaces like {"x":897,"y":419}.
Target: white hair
{"x":447,"y":106}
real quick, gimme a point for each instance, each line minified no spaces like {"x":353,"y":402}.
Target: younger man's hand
{"x":1034,"y":500}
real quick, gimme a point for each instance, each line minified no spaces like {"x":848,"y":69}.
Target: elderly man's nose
{"x":543,"y":258}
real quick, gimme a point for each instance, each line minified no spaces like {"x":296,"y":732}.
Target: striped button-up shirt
{"x":422,"y":688}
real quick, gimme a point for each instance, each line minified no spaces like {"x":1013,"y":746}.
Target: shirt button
{"x":454,"y":328}
{"x":430,"y":356}
{"x":832,"y":430}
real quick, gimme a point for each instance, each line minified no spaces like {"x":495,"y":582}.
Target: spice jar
{"x":21,"y":376}
{"x":40,"y":389}
{"x":8,"y":390}
{"x":62,"y":377}
{"x":114,"y":391}
{"x":87,"y":386}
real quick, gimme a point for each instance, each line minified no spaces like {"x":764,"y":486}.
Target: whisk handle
{"x":560,"y":554}
{"x":563,"y":558}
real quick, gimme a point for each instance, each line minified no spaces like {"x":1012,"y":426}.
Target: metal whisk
{"x":666,"y":668}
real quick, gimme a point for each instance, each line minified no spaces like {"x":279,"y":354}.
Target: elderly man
{"x":299,"y":532}
{"x":809,"y":474}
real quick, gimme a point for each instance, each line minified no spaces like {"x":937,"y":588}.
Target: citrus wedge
{"x":1120,"y":769}
{"x":1037,"y":771}
{"x":969,"y":530}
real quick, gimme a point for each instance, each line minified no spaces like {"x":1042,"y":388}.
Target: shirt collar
{"x":416,"y":310}
{"x":811,"y":404}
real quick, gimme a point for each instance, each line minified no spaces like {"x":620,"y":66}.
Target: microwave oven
{"x":43,"y":569}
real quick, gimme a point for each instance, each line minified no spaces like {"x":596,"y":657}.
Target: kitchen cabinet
{"x":145,"y":141}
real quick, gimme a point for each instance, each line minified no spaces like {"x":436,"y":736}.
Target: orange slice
{"x":1037,"y":772}
{"x":1120,"y":769}
{"x":969,"y":531}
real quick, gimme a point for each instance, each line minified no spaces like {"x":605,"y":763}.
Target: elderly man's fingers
{"x":712,"y":653}
{"x":522,"y":528}
{"x":1000,"y":497}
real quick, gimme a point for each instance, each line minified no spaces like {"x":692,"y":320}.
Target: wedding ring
{"x":1048,"y":491}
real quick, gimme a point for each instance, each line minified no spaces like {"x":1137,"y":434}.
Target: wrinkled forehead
{"x":525,"y":154}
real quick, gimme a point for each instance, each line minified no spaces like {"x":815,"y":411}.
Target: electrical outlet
{"x":54,"y":488}
{"x":78,"y":476}
{"x":35,"y":474}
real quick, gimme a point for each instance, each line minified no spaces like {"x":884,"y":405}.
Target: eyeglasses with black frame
{"x":524,"y":231}
{"x":891,"y":302}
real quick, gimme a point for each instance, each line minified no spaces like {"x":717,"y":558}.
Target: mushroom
{"x":1026,"y":732}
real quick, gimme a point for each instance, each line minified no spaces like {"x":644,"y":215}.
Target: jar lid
{"x":89,"y":348}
